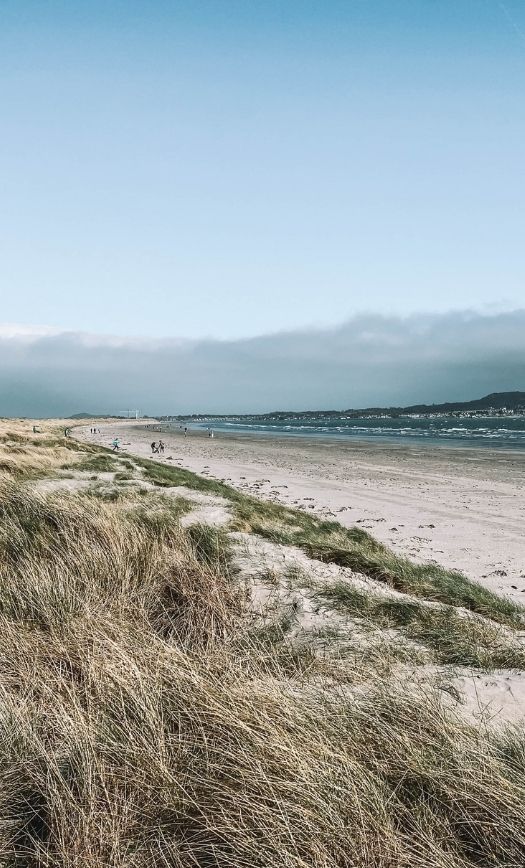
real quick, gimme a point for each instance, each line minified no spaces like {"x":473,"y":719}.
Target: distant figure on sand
{"x":160,"y":447}
{"x":185,"y":431}
{"x":116,"y":444}
{"x":210,"y":432}
{"x":154,"y":448}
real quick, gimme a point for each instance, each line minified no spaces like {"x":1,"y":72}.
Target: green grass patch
{"x":75,"y":445}
{"x":454,"y":639}
{"x":166,"y":477}
{"x":357,"y":550}
{"x":157,"y":515}
{"x":211,"y":546}
{"x":102,"y":463}
{"x":123,"y":476}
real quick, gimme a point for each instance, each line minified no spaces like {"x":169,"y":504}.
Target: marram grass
{"x":137,"y":731}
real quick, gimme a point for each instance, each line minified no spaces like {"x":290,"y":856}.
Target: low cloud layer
{"x":369,"y":360}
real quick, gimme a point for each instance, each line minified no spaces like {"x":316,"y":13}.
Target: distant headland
{"x":494,"y":404}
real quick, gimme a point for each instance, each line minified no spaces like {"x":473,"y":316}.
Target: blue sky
{"x":229,"y":169}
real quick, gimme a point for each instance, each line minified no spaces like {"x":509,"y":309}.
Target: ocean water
{"x":489,"y":432}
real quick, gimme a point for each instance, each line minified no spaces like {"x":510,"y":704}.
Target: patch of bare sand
{"x":491,"y":698}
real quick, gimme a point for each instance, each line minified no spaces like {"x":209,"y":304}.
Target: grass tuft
{"x":454,"y":639}
{"x":102,"y":463}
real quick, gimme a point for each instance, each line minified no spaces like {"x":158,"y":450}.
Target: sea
{"x":502,"y":432}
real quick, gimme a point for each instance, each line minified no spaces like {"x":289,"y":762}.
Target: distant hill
{"x":494,"y":401}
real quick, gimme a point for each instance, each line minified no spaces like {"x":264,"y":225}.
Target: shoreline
{"x":403,"y":442}
{"x":330,"y":439}
{"x":461,"y":508}
{"x":348,"y":436}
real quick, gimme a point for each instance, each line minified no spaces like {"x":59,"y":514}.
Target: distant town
{"x":494,"y":405}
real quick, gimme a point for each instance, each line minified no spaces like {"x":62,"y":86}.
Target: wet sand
{"x":459,"y":507}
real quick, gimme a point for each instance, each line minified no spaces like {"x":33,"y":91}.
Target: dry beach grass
{"x":149,"y":718}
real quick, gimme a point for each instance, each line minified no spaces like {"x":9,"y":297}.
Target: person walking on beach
{"x":154,"y":448}
{"x":116,"y":444}
{"x":160,"y":447}
{"x":185,"y":431}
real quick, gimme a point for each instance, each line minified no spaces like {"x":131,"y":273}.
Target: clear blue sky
{"x":231,"y":168}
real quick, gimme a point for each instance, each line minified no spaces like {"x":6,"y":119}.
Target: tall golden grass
{"x":28,"y":452}
{"x":137,"y":730}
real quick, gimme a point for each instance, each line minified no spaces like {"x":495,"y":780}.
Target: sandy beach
{"x":461,"y":508}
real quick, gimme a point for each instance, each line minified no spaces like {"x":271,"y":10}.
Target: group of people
{"x":94,"y":430}
{"x":156,"y":448}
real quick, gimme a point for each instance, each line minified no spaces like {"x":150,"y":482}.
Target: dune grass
{"x":26,"y":455}
{"x":356,"y":549}
{"x":101,"y":463}
{"x":454,"y":639}
{"x":137,"y":730}
{"x":132,"y":733}
{"x":164,"y":476}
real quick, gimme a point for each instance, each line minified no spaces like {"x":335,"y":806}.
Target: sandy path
{"x":462,"y":508}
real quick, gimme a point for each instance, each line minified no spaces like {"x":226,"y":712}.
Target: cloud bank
{"x":368,"y":360}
